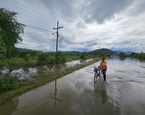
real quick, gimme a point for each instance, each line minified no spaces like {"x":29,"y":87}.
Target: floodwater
{"x":77,"y":94}
{"x":30,"y":73}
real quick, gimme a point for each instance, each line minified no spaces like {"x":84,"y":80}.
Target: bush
{"x":122,"y":54}
{"x":46,"y":58}
{"x":83,"y":56}
{"x":27,"y":57}
{"x":59,"y":58}
{"x":51,"y":60}
{"x":42,"y":58}
{"x":138,"y":55}
{"x":3,"y":49}
{"x":8,"y":83}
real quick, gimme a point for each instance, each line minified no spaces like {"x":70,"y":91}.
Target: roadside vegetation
{"x":140,"y":56}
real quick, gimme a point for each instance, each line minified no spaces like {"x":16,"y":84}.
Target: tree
{"x":10,"y":30}
{"x":122,"y":54}
{"x":83,"y":56}
{"x":2,"y":49}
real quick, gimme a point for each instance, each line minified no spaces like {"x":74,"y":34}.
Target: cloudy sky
{"x":87,"y":24}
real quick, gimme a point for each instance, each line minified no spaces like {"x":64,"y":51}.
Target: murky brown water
{"x":76,"y":93}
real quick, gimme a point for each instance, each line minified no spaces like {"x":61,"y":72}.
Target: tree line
{"x":140,"y":56}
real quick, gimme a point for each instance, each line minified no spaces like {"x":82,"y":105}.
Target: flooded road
{"x":77,"y":94}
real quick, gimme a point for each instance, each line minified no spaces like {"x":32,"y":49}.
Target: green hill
{"x":103,"y":51}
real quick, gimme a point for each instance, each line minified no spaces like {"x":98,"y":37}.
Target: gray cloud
{"x":88,"y":24}
{"x":61,"y":9}
{"x":101,"y":10}
{"x":137,"y":8}
{"x":92,"y":10}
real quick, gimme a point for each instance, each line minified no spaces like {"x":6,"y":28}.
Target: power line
{"x":5,"y":7}
{"x":27,"y":10}
{"x":30,"y":10}
{"x":25,"y":15}
{"x":48,"y":30}
{"x":44,"y":43}
{"x":37,"y":20}
{"x":30,"y":25}
{"x":36,"y":27}
{"x":45,"y":24}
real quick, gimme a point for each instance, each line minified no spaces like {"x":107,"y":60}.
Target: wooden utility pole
{"x":57,"y":34}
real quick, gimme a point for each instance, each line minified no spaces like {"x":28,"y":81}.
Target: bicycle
{"x":96,"y":74}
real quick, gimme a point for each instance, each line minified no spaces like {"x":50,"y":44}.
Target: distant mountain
{"x":104,"y":50}
{"x":24,"y":49}
{"x":119,"y":51}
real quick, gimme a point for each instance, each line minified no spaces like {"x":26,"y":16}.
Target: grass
{"x":16,"y":62}
{"x":12,"y":62}
{"x":43,"y":79}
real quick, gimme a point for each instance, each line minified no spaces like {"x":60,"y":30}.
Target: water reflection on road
{"x":76,"y":93}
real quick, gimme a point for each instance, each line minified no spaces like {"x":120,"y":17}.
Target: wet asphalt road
{"x":77,"y":94}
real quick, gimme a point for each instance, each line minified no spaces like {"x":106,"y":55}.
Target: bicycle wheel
{"x":95,"y":77}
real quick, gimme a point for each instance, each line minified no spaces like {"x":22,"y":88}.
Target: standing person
{"x":103,"y":66}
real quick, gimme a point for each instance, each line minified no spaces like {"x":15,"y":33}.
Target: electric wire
{"x":68,"y":31}
{"x":26,"y":25}
{"x":36,"y":27}
{"x":33,"y":16}
{"x":25,"y":15}
{"x":28,"y":10}
{"x":37,"y":20}
{"x":43,"y":43}
{"x":45,"y":24}
{"x":32,"y":11}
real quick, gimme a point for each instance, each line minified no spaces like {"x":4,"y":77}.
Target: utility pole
{"x":57,"y":34}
